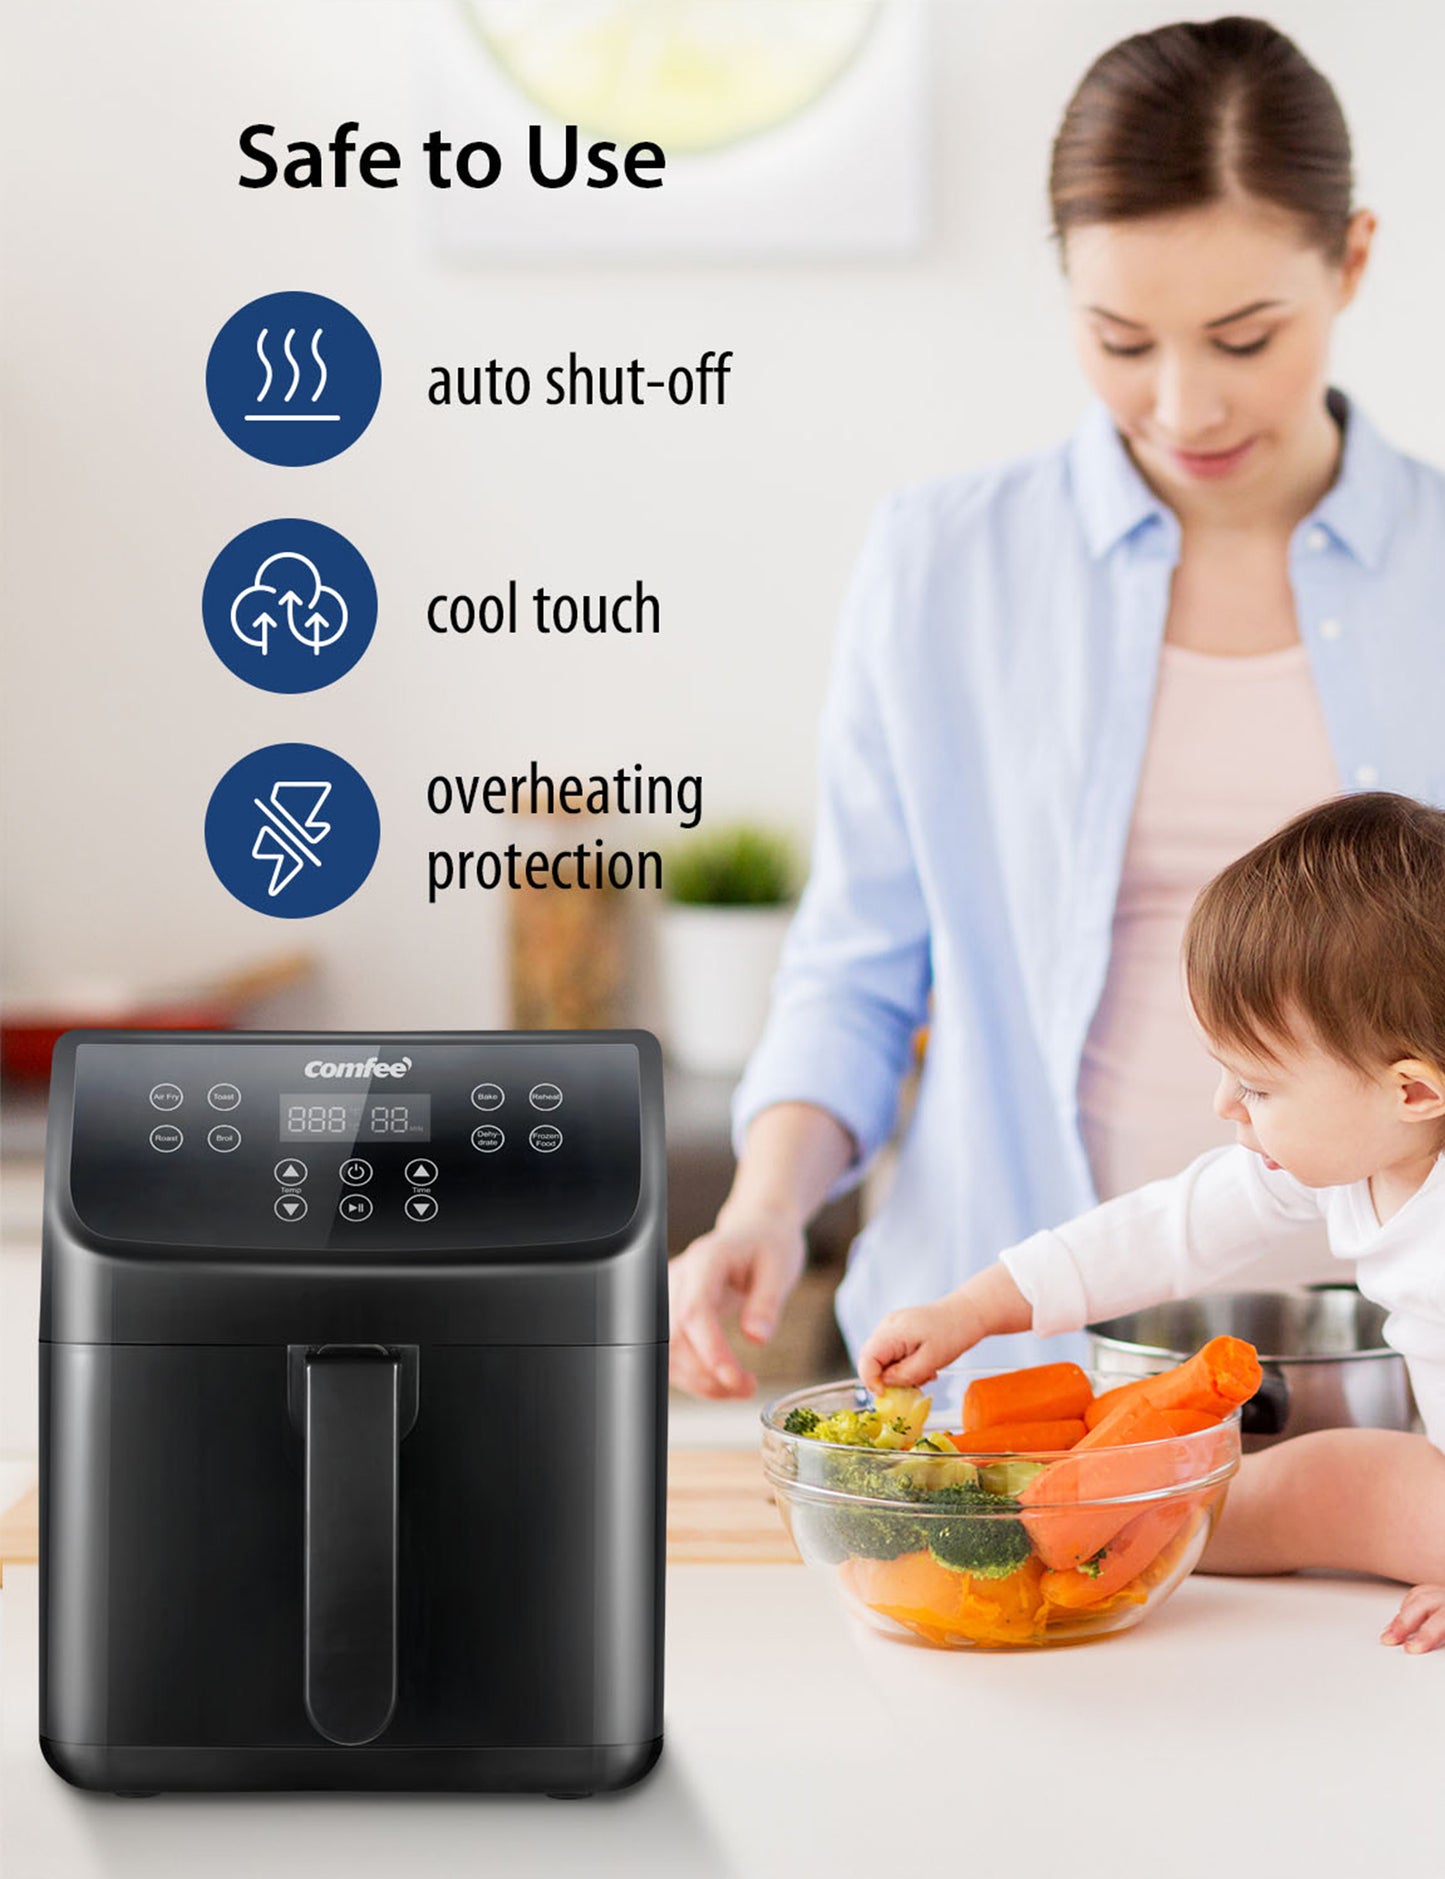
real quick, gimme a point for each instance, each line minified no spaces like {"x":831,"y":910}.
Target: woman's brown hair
{"x":1336,"y":920}
{"x":1192,"y":114}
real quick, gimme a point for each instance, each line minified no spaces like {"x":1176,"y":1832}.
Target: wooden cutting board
{"x":720,"y":1511}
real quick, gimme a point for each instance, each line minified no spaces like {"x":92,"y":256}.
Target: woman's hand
{"x":749,"y":1260}
{"x":1420,"y":1622}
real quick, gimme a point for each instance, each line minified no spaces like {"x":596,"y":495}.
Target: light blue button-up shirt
{"x":980,"y":751}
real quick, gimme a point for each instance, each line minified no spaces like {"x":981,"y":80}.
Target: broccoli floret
{"x":801,"y":1421}
{"x":1091,"y":1568}
{"x":854,"y":1428}
{"x":990,"y":1545}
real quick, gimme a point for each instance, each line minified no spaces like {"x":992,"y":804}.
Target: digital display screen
{"x":310,"y":1117}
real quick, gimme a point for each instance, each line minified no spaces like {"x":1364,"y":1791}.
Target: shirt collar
{"x":1114,"y":501}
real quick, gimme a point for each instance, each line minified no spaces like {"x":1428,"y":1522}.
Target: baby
{"x":1315,"y":967}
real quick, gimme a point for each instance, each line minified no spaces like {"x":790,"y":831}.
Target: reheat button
{"x":545,"y":1096}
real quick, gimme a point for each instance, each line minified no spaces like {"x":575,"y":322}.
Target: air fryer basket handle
{"x":352,"y":1417}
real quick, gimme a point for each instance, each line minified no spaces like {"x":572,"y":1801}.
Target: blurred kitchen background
{"x":863,"y":226}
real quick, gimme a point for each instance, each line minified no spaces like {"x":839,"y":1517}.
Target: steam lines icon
{"x":293,"y":377}
{"x":291,"y":417}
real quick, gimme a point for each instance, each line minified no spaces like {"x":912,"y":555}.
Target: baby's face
{"x":1326,"y":1122}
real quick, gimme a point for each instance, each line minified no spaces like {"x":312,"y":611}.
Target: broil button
{"x":545,"y":1137}
{"x":224,"y":1138}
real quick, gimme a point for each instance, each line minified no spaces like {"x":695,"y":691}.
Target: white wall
{"x":127,"y":243}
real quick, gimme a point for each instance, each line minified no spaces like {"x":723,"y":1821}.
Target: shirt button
{"x":1367,"y":776}
{"x":1317,"y":539}
{"x":1330,"y":629}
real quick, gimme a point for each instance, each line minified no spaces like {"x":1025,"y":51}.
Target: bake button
{"x":544,"y":1138}
{"x":223,"y":1096}
{"x":546,"y":1096}
{"x":488,"y":1096}
{"x":166,"y":1137}
{"x":166,"y":1096}
{"x":356,"y":1173}
{"x":421,"y":1173}
{"x":224,"y":1138}
{"x":355,"y":1207}
{"x":421,"y":1206}
{"x":488,"y":1138}
{"x":291,"y":1172}
{"x":290,"y":1207}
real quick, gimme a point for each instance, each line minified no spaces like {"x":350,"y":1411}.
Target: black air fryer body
{"x":353,"y":1359}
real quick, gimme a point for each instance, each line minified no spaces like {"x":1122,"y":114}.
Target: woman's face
{"x":1207,"y":335}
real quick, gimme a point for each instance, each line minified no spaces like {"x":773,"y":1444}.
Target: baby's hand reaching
{"x":913,"y":1345}
{"x":1420,"y":1622}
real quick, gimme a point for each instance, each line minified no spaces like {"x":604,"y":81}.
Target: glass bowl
{"x":996,"y":1551}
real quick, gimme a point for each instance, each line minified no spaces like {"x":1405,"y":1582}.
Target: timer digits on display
{"x":307,"y":1117}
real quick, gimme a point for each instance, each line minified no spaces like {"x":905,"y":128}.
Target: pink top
{"x":1237,"y":746}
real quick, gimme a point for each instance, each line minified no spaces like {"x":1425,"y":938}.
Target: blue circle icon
{"x":289,"y":606}
{"x":292,"y":830}
{"x":293,"y":378}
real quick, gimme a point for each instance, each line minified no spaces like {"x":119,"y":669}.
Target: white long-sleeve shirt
{"x":1172,"y":1238}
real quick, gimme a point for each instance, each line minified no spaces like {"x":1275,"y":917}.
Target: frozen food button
{"x":546,"y":1096}
{"x":545,"y":1137}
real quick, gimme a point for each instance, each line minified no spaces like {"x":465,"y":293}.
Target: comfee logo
{"x":370,"y":1067}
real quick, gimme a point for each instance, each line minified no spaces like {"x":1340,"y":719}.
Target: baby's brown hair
{"x":1339,"y":919}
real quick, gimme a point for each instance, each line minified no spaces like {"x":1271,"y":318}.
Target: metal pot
{"x":1326,"y":1364}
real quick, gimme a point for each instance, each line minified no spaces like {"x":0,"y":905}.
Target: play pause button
{"x":290,"y":1207}
{"x":421,"y":1206}
{"x":355,"y":1207}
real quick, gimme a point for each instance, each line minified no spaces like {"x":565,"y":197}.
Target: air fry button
{"x":545,"y":1137}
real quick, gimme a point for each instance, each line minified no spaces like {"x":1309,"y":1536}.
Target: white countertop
{"x":1249,"y":1727}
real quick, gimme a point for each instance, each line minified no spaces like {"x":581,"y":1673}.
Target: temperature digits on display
{"x":307,"y":1117}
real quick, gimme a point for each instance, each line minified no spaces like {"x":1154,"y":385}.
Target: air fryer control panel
{"x":343,"y":1146}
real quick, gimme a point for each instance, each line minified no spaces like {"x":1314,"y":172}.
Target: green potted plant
{"x":729,"y":897}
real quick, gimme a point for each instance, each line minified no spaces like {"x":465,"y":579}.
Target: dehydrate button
{"x":488,"y":1138}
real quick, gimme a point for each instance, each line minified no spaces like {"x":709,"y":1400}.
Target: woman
{"x":1070,"y":689}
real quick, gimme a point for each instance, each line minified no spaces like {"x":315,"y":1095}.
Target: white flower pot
{"x":717,"y":968}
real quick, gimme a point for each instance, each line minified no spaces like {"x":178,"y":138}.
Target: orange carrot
{"x":1132,"y":1548}
{"x":1189,"y":1421}
{"x":1018,"y":1438}
{"x":1043,"y":1393}
{"x":1219,"y":1376}
{"x":1109,"y":1462}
